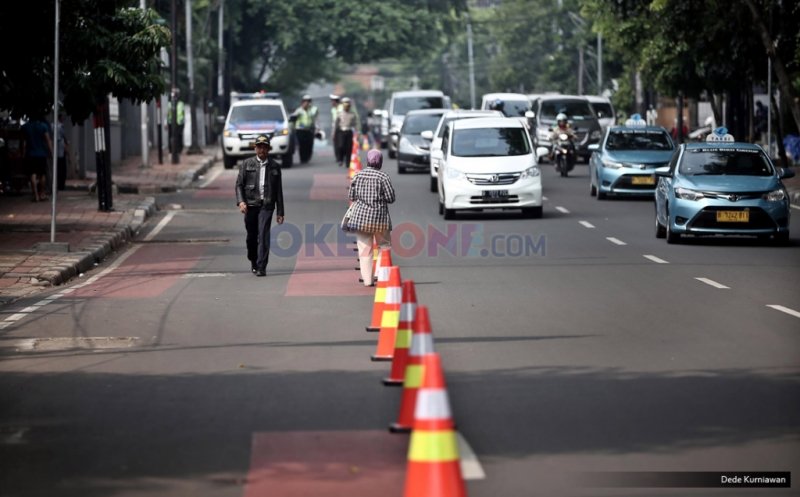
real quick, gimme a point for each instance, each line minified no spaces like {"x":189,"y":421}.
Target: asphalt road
{"x":574,"y":343}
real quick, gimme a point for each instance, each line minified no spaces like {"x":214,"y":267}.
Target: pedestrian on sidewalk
{"x":371,"y":191}
{"x":305,"y":126}
{"x":335,"y":141}
{"x":259,"y":193}
{"x":62,"y":152}
{"x":347,"y":126}
{"x":36,"y":148}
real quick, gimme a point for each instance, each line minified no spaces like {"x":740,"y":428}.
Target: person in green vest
{"x":305,"y":126}
{"x":335,"y":104}
{"x":181,"y":117}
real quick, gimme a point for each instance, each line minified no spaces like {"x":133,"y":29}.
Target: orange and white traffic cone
{"x":384,"y":351}
{"x":365,"y":143}
{"x":421,"y":345}
{"x":355,"y":159}
{"x":434,"y":467}
{"x":408,"y":310}
{"x":384,"y":263}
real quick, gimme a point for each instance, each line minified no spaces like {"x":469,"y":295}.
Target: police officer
{"x":335,"y":106}
{"x":305,"y":124}
{"x":259,"y":193}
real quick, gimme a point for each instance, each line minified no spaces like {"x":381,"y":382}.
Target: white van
{"x":404,"y":101}
{"x":510,"y":104}
{"x":604,"y":110}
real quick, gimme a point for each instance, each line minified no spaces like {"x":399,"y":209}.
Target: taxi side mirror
{"x":663,"y":172}
{"x":786,"y":173}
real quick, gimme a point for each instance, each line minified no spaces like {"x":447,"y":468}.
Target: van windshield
{"x":516,"y":108}
{"x":574,"y":109}
{"x":249,"y":113}
{"x":490,"y":142}
{"x":415,"y":125}
{"x":404,"y":104}
{"x":602,"y":109}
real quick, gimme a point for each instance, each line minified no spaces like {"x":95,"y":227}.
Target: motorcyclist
{"x":562,"y":126}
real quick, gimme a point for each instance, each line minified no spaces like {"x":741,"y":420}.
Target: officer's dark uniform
{"x":260,"y":207}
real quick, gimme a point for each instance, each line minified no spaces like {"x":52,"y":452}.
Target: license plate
{"x":643,"y":180}
{"x":495,"y":194}
{"x":733,"y":216}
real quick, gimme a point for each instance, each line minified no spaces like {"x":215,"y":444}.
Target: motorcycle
{"x":564,"y":154}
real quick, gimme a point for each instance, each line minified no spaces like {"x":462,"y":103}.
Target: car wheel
{"x":782,"y":239}
{"x":287,"y":160}
{"x":661,"y":231}
{"x":392,"y":153}
{"x":592,"y":189}
{"x":449,"y":213}
{"x":441,"y":208}
{"x":228,"y":161}
{"x":532,"y":212}
{"x":401,"y":169}
{"x":601,"y":195}
{"x":671,"y":236}
{"x":434,"y":185}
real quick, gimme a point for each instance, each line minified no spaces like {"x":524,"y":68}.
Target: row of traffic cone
{"x":405,"y":339}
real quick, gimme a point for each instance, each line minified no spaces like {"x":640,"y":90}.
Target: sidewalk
{"x":29,"y":263}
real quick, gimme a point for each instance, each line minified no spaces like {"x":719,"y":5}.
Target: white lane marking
{"x":586,"y":224}
{"x":52,"y":298}
{"x":28,"y":309}
{"x":545,"y":198}
{"x":214,"y":175}
{"x":204,"y":275}
{"x":788,"y":311}
{"x":562,"y":210}
{"x":615,"y":241}
{"x":655,"y":259}
{"x":795,"y":207}
{"x":713,"y":283}
{"x":471,"y":468}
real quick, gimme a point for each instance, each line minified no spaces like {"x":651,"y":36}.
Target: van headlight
{"x":531,"y":172}
{"x":775,"y":196}
{"x":454,"y":174}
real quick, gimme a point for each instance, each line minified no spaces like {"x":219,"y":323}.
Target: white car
{"x":489,"y":163}
{"x":249,"y":118}
{"x":510,"y":104}
{"x":436,"y":136}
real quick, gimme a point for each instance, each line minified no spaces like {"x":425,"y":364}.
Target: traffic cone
{"x":408,"y":309}
{"x":434,"y":467}
{"x":365,"y":143}
{"x":355,"y":159}
{"x":382,"y":271}
{"x":384,"y":351}
{"x":421,"y":345}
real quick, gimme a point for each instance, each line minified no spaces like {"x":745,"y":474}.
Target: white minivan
{"x":489,"y":163}
{"x":404,"y":101}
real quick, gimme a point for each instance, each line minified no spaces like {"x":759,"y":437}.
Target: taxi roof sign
{"x":635,"y":120}
{"x":720,"y":135}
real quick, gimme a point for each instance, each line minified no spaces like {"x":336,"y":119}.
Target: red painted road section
{"x":327,"y":464}
{"x":330,"y":187}
{"x":318,"y":274}
{"x":148,"y":273}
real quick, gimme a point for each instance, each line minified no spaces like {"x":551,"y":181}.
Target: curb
{"x":77,"y":263}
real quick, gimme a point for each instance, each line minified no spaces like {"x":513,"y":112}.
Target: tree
{"x":106,"y":47}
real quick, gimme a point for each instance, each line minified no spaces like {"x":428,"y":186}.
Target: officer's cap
{"x":306,"y":97}
{"x":262,"y":140}
{"x":346,"y":100}
{"x":333,"y":96}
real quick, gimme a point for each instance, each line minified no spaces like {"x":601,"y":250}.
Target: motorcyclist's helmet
{"x":561,"y":119}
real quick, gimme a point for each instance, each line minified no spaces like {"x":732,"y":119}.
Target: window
{"x":638,"y":140}
{"x":250,"y":113}
{"x":404,"y":104}
{"x":415,"y":125}
{"x":701,"y":162}
{"x":574,"y":109}
{"x":490,"y":142}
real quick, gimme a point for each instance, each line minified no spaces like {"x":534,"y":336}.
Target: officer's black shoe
{"x":261,"y":272}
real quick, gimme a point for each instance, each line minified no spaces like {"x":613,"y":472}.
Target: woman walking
{"x":371,"y":192}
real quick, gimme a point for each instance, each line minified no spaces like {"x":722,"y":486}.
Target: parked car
{"x":721,"y":187}
{"x":436,"y":136}
{"x":403,"y":101}
{"x":625,"y":160}
{"x":579,"y":114}
{"x":604,"y":110}
{"x":413,"y":151}
{"x":248,"y":118}
{"x":489,"y":163}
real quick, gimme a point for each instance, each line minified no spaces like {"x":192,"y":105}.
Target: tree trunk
{"x":777,"y":64}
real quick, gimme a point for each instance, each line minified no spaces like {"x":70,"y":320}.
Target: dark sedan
{"x":414,"y":151}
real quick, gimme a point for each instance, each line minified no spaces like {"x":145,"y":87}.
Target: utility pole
{"x":56,"y":128}
{"x":143,"y":110}
{"x":221,"y":58}
{"x":173,"y":97}
{"x":599,"y":64}
{"x":194,"y":148}
{"x":580,"y":70}
{"x":471,"y":65}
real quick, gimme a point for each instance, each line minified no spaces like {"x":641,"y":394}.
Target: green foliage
{"x":105,"y":47}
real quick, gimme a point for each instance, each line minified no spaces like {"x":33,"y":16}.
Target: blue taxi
{"x":721,"y":187}
{"x":623,"y":163}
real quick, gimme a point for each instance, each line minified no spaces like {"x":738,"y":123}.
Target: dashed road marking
{"x":786,"y":310}
{"x":205,"y":275}
{"x":562,"y":210}
{"x":713,"y":283}
{"x":586,"y":224}
{"x":795,"y":207}
{"x":471,"y":468}
{"x":212,"y":177}
{"x":615,"y":241}
{"x":655,"y":259}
